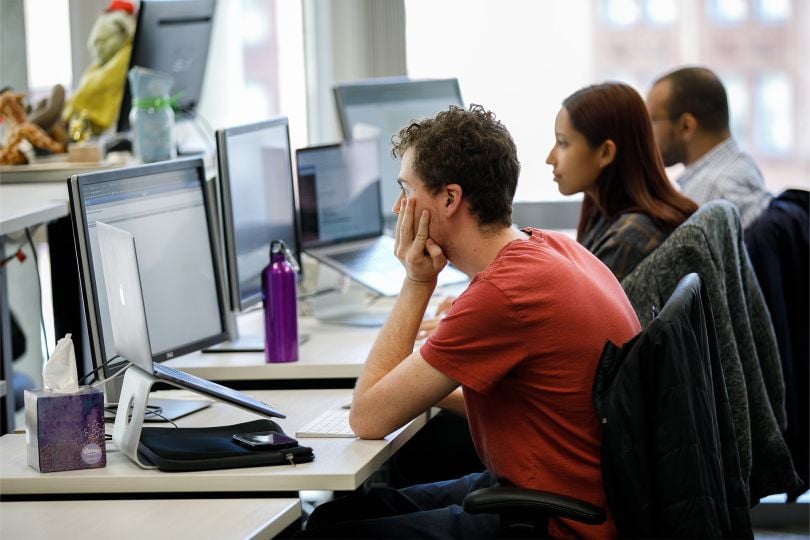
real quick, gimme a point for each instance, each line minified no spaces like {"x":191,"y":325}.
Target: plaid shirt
{"x":622,"y":242}
{"x":726,"y":172}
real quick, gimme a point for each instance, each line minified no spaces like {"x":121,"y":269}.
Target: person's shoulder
{"x":633,"y":224}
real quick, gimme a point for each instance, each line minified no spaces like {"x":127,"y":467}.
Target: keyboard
{"x":331,"y":423}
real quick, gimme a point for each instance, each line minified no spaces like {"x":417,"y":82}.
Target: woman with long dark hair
{"x":606,"y":150}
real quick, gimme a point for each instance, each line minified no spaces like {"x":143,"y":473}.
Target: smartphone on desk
{"x":265,"y":440}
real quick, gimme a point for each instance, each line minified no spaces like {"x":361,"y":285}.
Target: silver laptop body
{"x":129,"y":325}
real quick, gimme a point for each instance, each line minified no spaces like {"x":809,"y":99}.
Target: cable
{"x":112,"y":377}
{"x":39,"y":284}
{"x":153,"y":410}
{"x":102,"y":366}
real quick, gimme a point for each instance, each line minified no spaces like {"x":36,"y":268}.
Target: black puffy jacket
{"x":669,"y":454}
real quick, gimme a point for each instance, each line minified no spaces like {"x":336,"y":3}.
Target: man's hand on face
{"x":422,"y":258}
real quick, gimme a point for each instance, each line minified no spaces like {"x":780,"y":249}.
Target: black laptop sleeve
{"x":199,"y":449}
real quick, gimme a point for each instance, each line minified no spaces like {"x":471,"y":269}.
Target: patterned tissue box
{"x":64,"y":432}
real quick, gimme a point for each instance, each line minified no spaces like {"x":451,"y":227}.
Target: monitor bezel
{"x":344,"y":90}
{"x":76,"y":186}
{"x":228,"y":228}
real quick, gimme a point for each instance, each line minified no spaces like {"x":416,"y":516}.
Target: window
{"x":47,"y":39}
{"x":256,"y":66}
{"x":728,"y":12}
{"x":773,"y":11}
{"x":535,"y":54}
{"x":774,"y":114}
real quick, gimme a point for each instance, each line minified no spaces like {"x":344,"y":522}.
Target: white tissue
{"x":59,"y":373}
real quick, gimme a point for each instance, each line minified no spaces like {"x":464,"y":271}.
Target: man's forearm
{"x":396,"y":338}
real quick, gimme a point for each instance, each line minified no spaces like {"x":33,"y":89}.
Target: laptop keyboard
{"x":331,"y":423}
{"x":371,"y":259}
{"x":215,"y":390}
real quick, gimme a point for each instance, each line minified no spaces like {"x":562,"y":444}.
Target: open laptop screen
{"x":339,"y":193}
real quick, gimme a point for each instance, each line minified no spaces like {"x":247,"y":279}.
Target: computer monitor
{"x":384,"y":106}
{"x":172,"y":36}
{"x":165,"y":206}
{"x":258,"y":205}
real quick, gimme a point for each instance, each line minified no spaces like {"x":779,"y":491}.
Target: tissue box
{"x":64,"y":432}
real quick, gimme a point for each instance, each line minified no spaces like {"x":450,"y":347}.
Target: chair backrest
{"x":778,"y":243}
{"x":711,"y":243}
{"x":669,"y":455}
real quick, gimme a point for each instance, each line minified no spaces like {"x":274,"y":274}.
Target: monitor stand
{"x":350,"y":307}
{"x":133,"y":399}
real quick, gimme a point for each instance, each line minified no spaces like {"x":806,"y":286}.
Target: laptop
{"x":341,"y":215}
{"x":129,"y":328}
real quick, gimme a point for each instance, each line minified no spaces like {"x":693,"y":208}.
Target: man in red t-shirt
{"x":516,"y":352}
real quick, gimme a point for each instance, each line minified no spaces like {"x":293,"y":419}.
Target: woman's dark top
{"x":623,"y":241}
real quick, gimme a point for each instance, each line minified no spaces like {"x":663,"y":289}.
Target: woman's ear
{"x":452,"y":193}
{"x":607,"y":153}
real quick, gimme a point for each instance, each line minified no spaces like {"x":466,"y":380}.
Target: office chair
{"x":669,"y":459}
{"x":711,"y":243}
{"x":778,"y":243}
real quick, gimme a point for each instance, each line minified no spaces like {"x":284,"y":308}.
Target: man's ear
{"x":453,"y":194}
{"x":688,"y":126}
{"x":607,"y":153}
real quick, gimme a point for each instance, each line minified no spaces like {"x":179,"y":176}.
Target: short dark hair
{"x":469,"y":147}
{"x":698,"y":91}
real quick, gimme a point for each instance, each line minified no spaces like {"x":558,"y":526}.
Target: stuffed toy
{"x":101,"y":88}
{"x":20,"y":128}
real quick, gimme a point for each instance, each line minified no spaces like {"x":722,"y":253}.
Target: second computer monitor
{"x":165,"y":207}
{"x":258,"y":202}
{"x":382,"y":107}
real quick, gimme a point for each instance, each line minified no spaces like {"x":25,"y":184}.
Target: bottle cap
{"x":278,"y":246}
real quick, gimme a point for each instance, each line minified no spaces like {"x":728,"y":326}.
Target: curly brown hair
{"x":469,"y":147}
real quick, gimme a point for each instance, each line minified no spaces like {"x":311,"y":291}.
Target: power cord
{"x":108,"y":363}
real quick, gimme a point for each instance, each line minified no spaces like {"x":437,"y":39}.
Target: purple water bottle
{"x":280,"y":305}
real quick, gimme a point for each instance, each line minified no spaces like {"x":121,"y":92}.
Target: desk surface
{"x":137,"y":519}
{"x":26,"y":205}
{"x":331,"y":352}
{"x":340,"y":464}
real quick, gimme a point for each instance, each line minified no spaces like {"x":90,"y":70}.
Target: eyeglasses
{"x":668,"y":117}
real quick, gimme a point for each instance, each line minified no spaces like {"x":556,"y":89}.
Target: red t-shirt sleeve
{"x":480,"y":339}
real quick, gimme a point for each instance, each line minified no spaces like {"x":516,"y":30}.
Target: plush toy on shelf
{"x":98,"y":97}
{"x":20,"y":128}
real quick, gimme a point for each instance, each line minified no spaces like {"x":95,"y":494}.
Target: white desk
{"x":177,"y":519}
{"x":340,"y":464}
{"x":26,"y":205}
